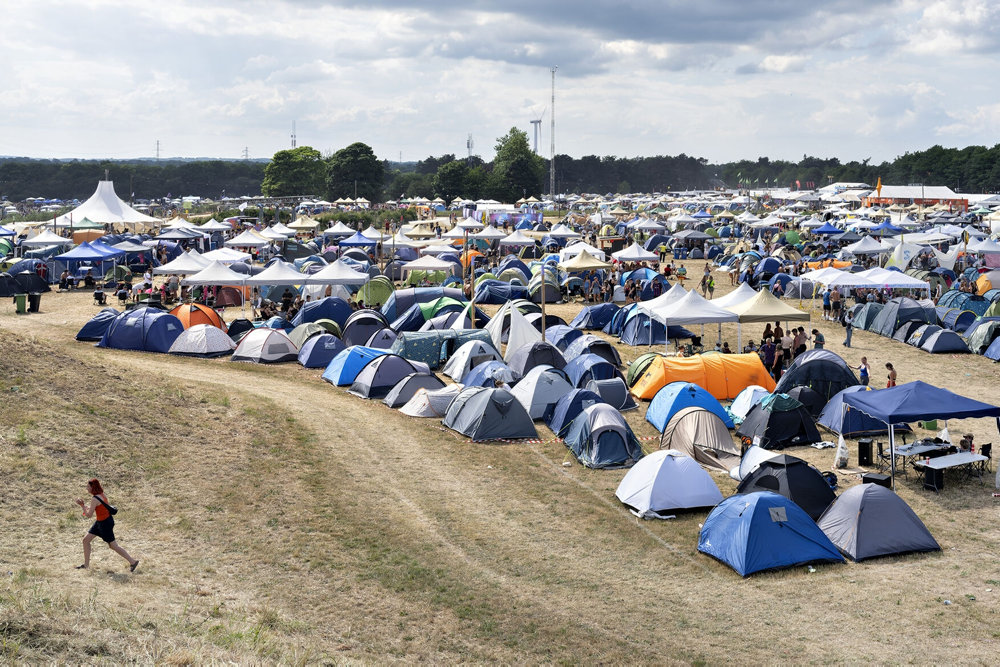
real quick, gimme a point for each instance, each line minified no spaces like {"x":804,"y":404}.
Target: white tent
{"x":577,"y":248}
{"x":428,"y":263}
{"x":184,"y":264}
{"x":282,"y":229}
{"x":47,"y":237}
{"x":561,"y":231}
{"x":517,"y":239}
{"x":468,"y":356}
{"x":489,"y":233}
{"x":339,"y":230}
{"x":279,"y":273}
{"x":692,"y":308}
{"x":213,"y":225}
{"x":215,"y":273}
{"x":866,"y":246}
{"x":337,"y":273}
{"x":737,"y":296}
{"x":203,"y":340}
{"x":893,"y":279}
{"x":431,"y":403}
{"x":105,"y":207}
{"x":266,"y":346}
{"x":247,"y":239}
{"x":666,"y":480}
{"x":635,"y":253}
{"x":226,"y":255}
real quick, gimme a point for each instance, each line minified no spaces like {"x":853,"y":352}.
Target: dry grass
{"x":279,"y":519}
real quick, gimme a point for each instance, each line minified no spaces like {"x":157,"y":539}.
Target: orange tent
{"x":825,"y":263}
{"x":722,"y":375}
{"x":469,"y":255}
{"x":191,"y":314}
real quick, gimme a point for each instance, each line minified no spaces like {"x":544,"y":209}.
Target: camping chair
{"x":884,"y":460}
{"x":986,"y":450}
{"x":100,"y":298}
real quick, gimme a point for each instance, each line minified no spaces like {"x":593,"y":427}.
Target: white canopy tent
{"x":105,"y":207}
{"x":337,"y":273}
{"x":247,"y":239}
{"x":226,"y":255}
{"x":187,"y":263}
{"x":215,"y":273}
{"x":635,"y":253}
{"x":279,"y":273}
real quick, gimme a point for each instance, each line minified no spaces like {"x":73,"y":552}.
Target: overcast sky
{"x":722,"y":80}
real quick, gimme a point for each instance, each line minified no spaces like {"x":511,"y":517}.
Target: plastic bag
{"x":841,"y":456}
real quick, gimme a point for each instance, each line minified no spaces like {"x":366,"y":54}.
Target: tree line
{"x":515,"y":172}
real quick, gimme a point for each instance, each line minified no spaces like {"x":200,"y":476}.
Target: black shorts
{"x":826,"y":306}
{"x":104,"y":529}
{"x":836,"y":306}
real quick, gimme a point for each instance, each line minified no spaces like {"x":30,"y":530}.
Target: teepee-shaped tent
{"x":104,"y":207}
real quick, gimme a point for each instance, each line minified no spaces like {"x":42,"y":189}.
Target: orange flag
{"x":878,"y":186}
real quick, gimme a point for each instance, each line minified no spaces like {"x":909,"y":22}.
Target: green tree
{"x":355,"y":169}
{"x":450,"y":180}
{"x":517,"y":171}
{"x":296,"y":171}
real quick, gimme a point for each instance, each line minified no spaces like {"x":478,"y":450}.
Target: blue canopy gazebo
{"x":915,"y":401}
{"x":827,"y":229}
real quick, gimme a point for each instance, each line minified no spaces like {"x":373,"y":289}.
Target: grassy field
{"x":279,"y":519}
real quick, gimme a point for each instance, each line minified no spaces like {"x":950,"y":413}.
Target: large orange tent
{"x":191,"y":314}
{"x":722,"y":375}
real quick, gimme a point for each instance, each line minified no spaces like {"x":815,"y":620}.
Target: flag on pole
{"x":878,"y":187}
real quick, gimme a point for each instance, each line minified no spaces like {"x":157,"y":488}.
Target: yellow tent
{"x":722,"y":375}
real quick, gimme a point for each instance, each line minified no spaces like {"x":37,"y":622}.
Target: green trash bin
{"x":21,"y":303}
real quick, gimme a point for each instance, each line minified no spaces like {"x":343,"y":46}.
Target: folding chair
{"x":884,"y":461}
{"x":987,"y":451}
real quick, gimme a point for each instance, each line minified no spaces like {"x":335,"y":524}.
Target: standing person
{"x":835,"y":304}
{"x":104,"y":525}
{"x":778,"y":332}
{"x":864,"y":370}
{"x":891,"y":379}
{"x":778,"y":367}
{"x":710,"y":286}
{"x":826,"y":303}
{"x":800,"y":343}
{"x":767,"y":354}
{"x":848,"y":327}
{"x":819,"y":340}
{"x":786,"y":345}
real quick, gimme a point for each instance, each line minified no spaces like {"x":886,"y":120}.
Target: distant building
{"x":922,"y":195}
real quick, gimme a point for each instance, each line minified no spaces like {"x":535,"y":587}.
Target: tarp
{"x":666,"y":480}
{"x":723,"y":375}
{"x":851,"y":423}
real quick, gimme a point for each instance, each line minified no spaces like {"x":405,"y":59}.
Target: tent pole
{"x":892,"y":454}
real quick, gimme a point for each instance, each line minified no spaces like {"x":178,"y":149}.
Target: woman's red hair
{"x":95,"y":487}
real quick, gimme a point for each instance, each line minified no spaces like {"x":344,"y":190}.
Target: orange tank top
{"x":101,"y":512}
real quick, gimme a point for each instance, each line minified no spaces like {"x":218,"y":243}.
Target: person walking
{"x":819,"y":340}
{"x":848,"y":327}
{"x":104,"y":525}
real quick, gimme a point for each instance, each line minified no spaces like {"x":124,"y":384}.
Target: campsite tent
{"x":381,"y":374}
{"x":300,"y":334}
{"x":745,"y":400}
{"x":666,"y":480}
{"x":469,"y":355}
{"x":191,"y":314}
{"x":319,"y":351}
{"x":778,"y":422}
{"x":360,"y":326}
{"x":203,"y":340}
{"x":404,"y":390}
{"x":614,"y":392}
{"x":869,"y":520}
{"x":752,"y":457}
{"x":848,"y":422}
{"x":703,"y":436}
{"x":594,"y":317}
{"x":481,"y":413}
{"x":763,"y":531}
{"x":145,"y":329}
{"x":676,"y":396}
{"x":569,"y":405}
{"x":823,"y":371}
{"x":331,"y":308}
{"x":900,"y":310}
{"x":809,"y":398}
{"x":586,"y":367}
{"x":944,"y":341}
{"x":794,"y":479}
{"x":600,"y":437}
{"x":591,"y":344}
{"x":723,"y":375}
{"x":344,"y":368}
{"x":95,"y":327}
{"x":541,"y":387}
{"x":561,"y":335}
{"x":535,"y":354}
{"x":488,"y":374}
{"x":431,"y":403}
{"x":266,"y":346}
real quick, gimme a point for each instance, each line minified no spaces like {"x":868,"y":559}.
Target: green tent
{"x":376,"y":291}
{"x":433,"y":277}
{"x":434,"y":347}
{"x":329,"y":326}
{"x":792,"y":237}
{"x":86,"y":223}
{"x":639,"y":366}
{"x":431,"y":308}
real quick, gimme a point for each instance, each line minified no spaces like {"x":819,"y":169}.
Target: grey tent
{"x":906,"y":329}
{"x":300,"y":334}
{"x":203,"y":340}
{"x":900,"y":310}
{"x":539,"y":353}
{"x":542,"y":387}
{"x":381,"y":374}
{"x":594,"y":345}
{"x":703,"y":436}
{"x":794,"y":479}
{"x":944,"y":341}
{"x":823,"y":371}
{"x":600,"y":437}
{"x":866,"y":316}
{"x":483,"y":413}
{"x":361,"y":325}
{"x":404,"y":390}
{"x":921,"y":334}
{"x":614,"y":392}
{"x":869,"y":520}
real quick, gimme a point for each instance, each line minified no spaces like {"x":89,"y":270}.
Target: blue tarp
{"x":764,"y":531}
{"x":851,"y":423}
{"x":916,"y":401}
{"x":675,"y":396}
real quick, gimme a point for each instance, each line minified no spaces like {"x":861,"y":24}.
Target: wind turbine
{"x":537,"y":123}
